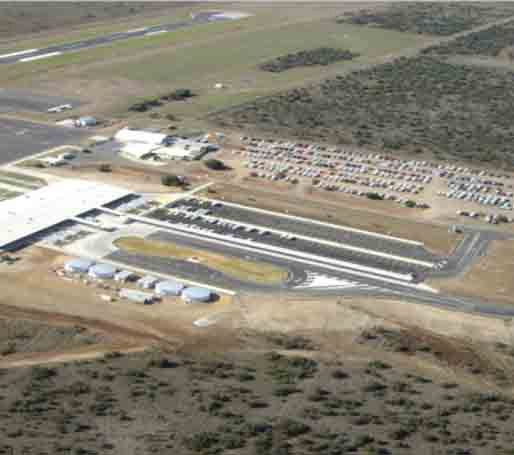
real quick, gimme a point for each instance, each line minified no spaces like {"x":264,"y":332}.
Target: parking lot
{"x":305,"y":228}
{"x":194,"y":216}
{"x":372,"y":175}
{"x":20,"y":139}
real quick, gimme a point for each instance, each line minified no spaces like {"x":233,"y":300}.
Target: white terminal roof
{"x":147,"y":137}
{"x":37,"y":210}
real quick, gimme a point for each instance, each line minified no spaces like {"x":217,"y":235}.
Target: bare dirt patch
{"x":489,"y":278}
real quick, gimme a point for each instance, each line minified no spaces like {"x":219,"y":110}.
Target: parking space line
{"x":320,"y":223}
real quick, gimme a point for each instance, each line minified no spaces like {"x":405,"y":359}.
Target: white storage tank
{"x":102,"y":271}
{"x":169,"y":287}
{"x":196,"y":295}
{"x":78,"y":265}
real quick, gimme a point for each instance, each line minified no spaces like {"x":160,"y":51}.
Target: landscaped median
{"x":230,"y":266}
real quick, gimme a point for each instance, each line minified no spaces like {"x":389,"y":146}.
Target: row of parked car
{"x":273,"y":171}
{"x":304,"y":150}
{"x":488,"y":218}
{"x":502,"y":202}
{"x":278,"y":159}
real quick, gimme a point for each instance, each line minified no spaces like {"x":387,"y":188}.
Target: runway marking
{"x":325,"y":282}
{"x":157,"y":32}
{"x":137,"y":30}
{"x":15,"y":54}
{"x":320,"y":223}
{"x":40,"y":57}
{"x":379,"y":275}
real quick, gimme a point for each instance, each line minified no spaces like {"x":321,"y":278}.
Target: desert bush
{"x":171,"y":180}
{"x":104,"y":167}
{"x":424,"y":100}
{"x":428,"y":17}
{"x":215,"y":165}
{"x":320,"y":56}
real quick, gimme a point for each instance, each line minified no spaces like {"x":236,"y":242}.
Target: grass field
{"x":202,"y":55}
{"x":33,"y":24}
{"x":257,"y":272}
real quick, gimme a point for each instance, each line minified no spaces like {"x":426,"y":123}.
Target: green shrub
{"x":171,"y":180}
{"x":215,"y":165}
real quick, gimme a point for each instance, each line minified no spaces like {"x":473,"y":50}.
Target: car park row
{"x":329,"y":166}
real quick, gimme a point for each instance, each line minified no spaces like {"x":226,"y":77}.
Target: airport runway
{"x":29,"y":55}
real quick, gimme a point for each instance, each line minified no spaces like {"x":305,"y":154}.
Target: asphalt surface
{"x":300,"y":245}
{"x":297,"y":275}
{"x":13,"y":100}
{"x":19,"y":138}
{"x":241,"y":215}
{"x":198,"y":272}
{"x":339,"y":282}
{"x":474,"y":245}
{"x":21,"y":56}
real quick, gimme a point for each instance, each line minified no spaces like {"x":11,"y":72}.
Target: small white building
{"x":86,"y":121}
{"x":137,"y":296}
{"x":147,"y":282}
{"x":125,"y":276}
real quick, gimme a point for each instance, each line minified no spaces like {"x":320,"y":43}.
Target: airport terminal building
{"x":43,"y":209}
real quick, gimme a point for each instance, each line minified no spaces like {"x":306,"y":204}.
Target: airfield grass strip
{"x":231,"y":266}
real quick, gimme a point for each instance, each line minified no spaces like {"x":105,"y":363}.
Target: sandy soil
{"x":489,"y":278}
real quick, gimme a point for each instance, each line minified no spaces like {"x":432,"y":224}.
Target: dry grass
{"x":489,"y":278}
{"x":243,"y":270}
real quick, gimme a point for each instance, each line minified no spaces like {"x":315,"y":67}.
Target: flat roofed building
{"x":137,"y":296}
{"x":182,"y":150}
{"x":139,"y":150}
{"x":41,"y":209}
{"x":147,"y":137}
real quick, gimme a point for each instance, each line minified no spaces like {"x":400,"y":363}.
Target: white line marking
{"x":333,"y":244}
{"x":320,"y":223}
{"x":157,"y":32}
{"x":39,"y":57}
{"x":215,"y":238}
{"x":263,"y":249}
{"x":136,"y":30}
{"x":15,"y":54}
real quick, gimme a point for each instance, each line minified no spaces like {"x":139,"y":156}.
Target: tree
{"x":104,"y":167}
{"x":171,"y":180}
{"x":215,"y":165}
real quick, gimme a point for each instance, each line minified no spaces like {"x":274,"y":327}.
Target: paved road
{"x":306,"y":228}
{"x":309,"y":278}
{"x":474,"y":245}
{"x":368,"y":287}
{"x":36,"y":54}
